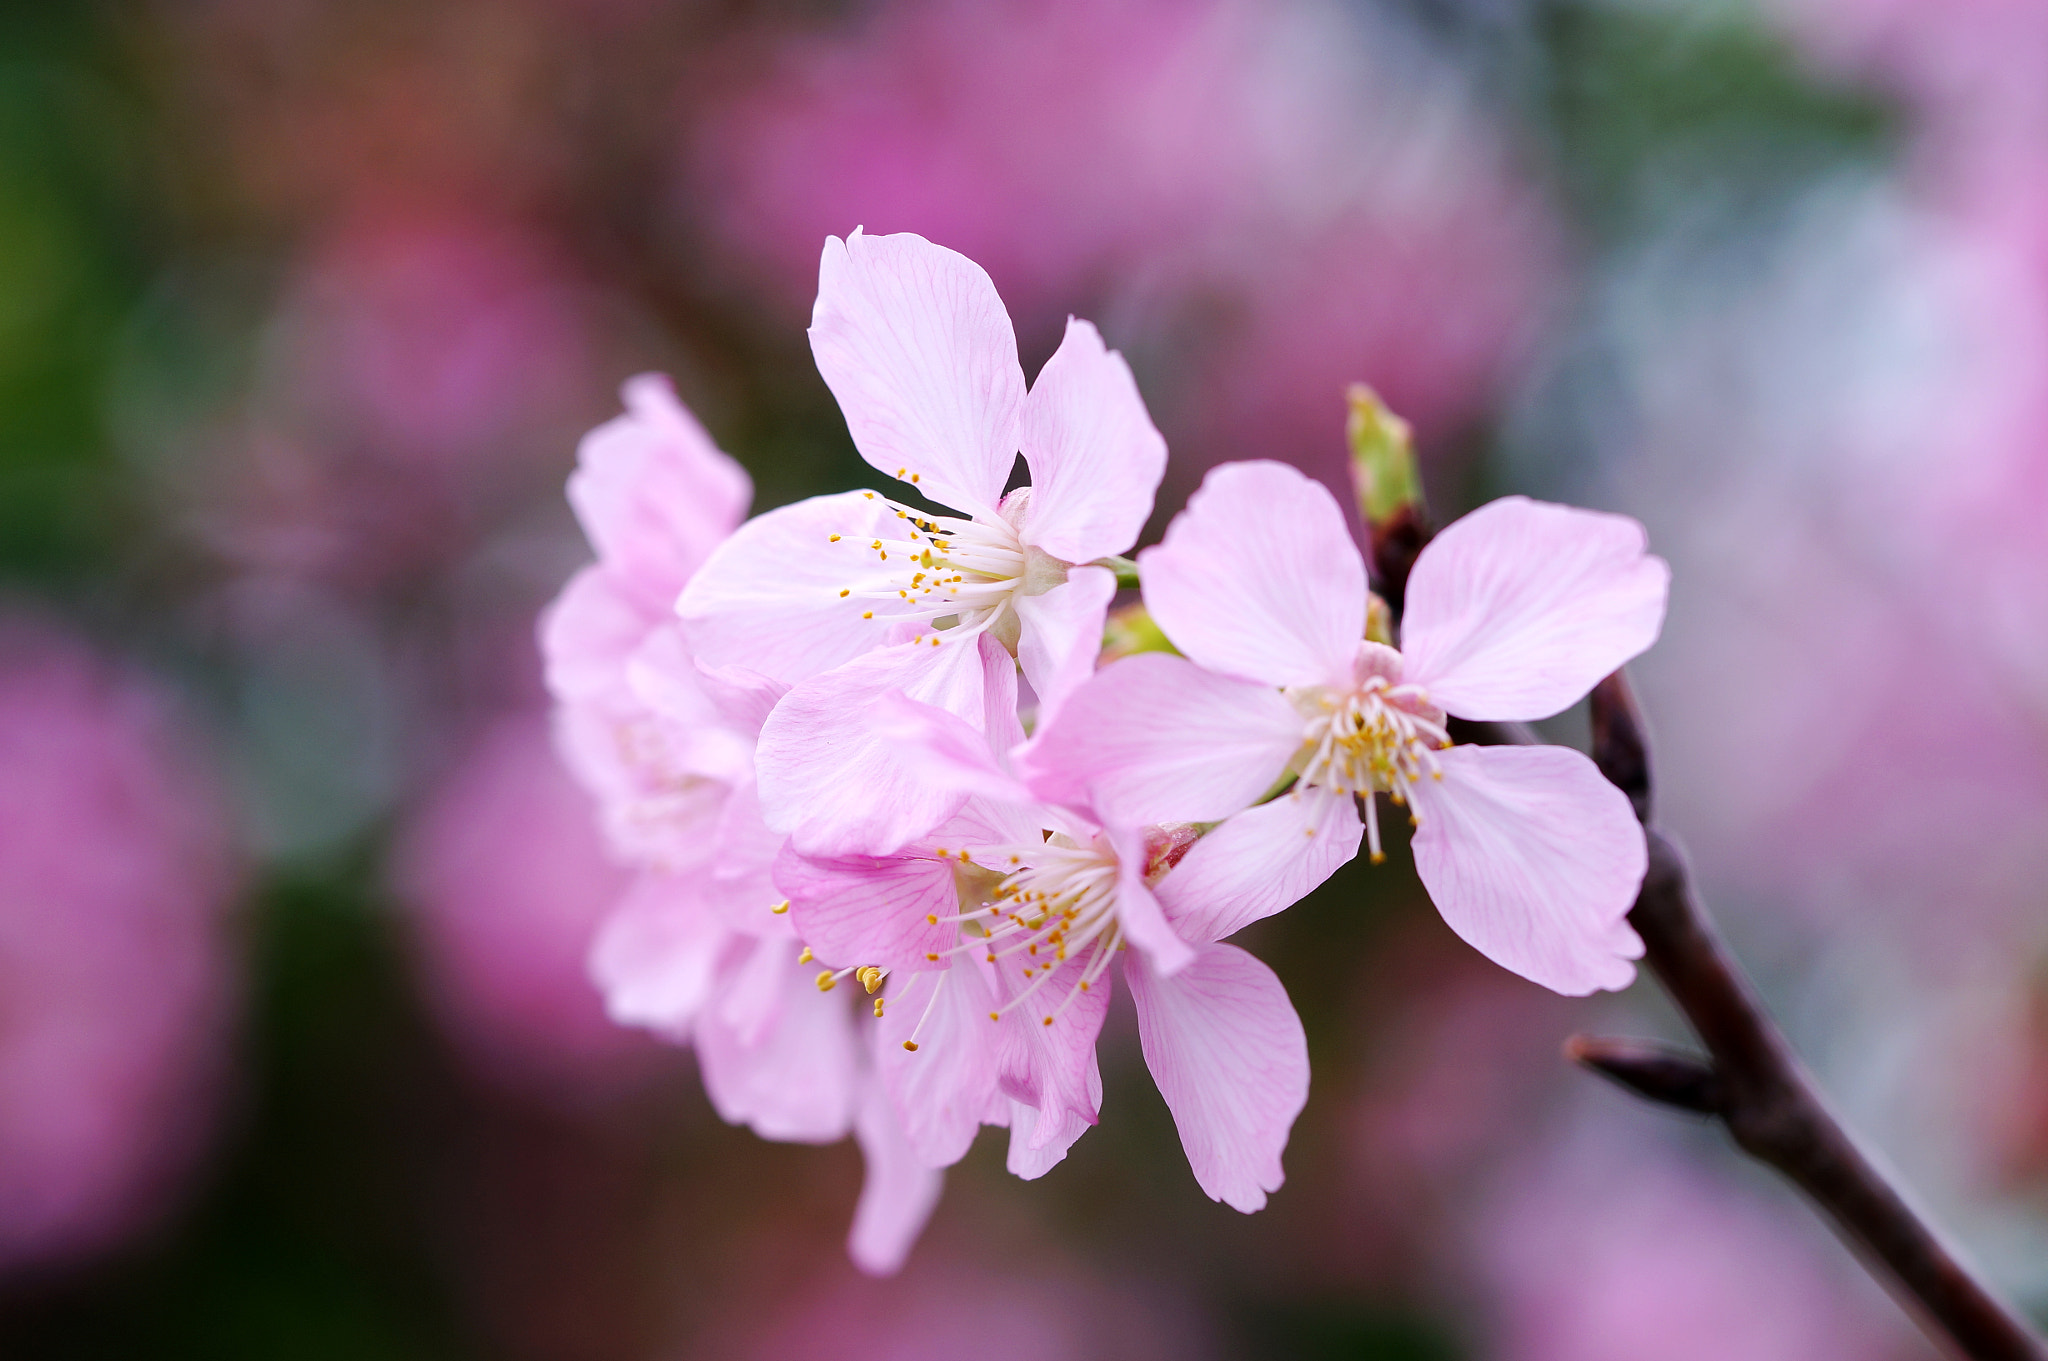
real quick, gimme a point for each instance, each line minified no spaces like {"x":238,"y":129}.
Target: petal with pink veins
{"x":942,"y":1089}
{"x":653,"y":492}
{"x":655,"y":956}
{"x":917,"y":347}
{"x":944,"y":750}
{"x":1259,"y":862}
{"x":1156,"y":739}
{"x":897,"y":1193}
{"x":1535,"y":860}
{"x":837,"y":786}
{"x":1035,"y":1150}
{"x":1062,"y":634}
{"x":769,"y":599}
{"x":1258,"y":578}
{"x":863,"y":909}
{"x":1518,"y":609}
{"x":1095,"y":457}
{"x":790,"y":1077}
{"x":1049,"y":1066}
{"x":1228,"y":1052}
{"x":1137,"y":910}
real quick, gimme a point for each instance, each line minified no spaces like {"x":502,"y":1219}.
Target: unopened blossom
{"x":699,"y":949}
{"x":997,"y":937}
{"x":1513,"y":613}
{"x":854,"y":596}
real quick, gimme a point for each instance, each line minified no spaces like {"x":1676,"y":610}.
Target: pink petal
{"x":1535,"y":860}
{"x":653,"y":492}
{"x":1050,"y":1067}
{"x":1258,"y":578}
{"x":1517,"y":610}
{"x":792,"y":1078}
{"x":768,"y":599}
{"x":1253,"y":865}
{"x":898,"y":1194}
{"x":1062,"y":634}
{"x":1095,"y":458}
{"x":666,"y":682}
{"x":588,"y":632}
{"x":1156,"y":739}
{"x":859,"y":910}
{"x":915,"y":344}
{"x":944,"y":750}
{"x":1037,"y":1143}
{"x":1229,"y":1055}
{"x":654,"y":957}
{"x":743,"y":698}
{"x":835,"y":784}
{"x":1144,"y":923}
{"x":941,"y":1091}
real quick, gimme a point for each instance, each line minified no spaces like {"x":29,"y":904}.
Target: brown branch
{"x":1755,"y":1085}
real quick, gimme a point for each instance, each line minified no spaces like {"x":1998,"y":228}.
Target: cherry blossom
{"x":996,"y":936}
{"x":700,"y":950}
{"x":852,"y":596}
{"x":1513,"y":613}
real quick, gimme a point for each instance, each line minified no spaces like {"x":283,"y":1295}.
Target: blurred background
{"x":303,"y":304}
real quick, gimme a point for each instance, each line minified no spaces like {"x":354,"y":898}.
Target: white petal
{"x":1535,"y":860}
{"x":1519,"y":609}
{"x":768,"y":599}
{"x":915,"y":344}
{"x":1228,"y":1052}
{"x":1259,"y":862}
{"x":1258,"y":578}
{"x":1095,"y":458}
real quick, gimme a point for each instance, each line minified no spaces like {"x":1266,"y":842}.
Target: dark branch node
{"x":1656,"y":1072}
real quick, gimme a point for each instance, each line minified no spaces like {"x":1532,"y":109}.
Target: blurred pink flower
{"x":1263,"y":220}
{"x":1597,"y":1250}
{"x":506,"y":879}
{"x":1514,"y":612}
{"x":117,"y":871}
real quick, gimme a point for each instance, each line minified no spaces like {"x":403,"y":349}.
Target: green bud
{"x":1382,"y":458}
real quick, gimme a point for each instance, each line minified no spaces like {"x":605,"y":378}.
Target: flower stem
{"x":1125,"y":569}
{"x":1757,"y":1088}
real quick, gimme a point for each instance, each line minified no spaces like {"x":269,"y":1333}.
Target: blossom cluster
{"x":899,"y":830}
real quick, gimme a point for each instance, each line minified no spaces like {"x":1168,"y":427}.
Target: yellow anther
{"x":878,"y":1007}
{"x":1048,"y":1020}
{"x":867,"y":614}
{"x":1379,"y":857}
{"x":834,"y":539}
{"x":870,"y":978}
{"x":780,"y":907}
{"x":935,"y":640}
{"x":941,"y":851}
{"x":993,"y":1017}
{"x":910,"y":1045}
{"x":876,"y":545}
{"x":931,"y":956}
{"x":806,"y":957}
{"x":826,"y":981}
{"x":845,"y":591}
{"x":913,"y":477}
{"x":931,"y":918}
{"x":901,"y":471}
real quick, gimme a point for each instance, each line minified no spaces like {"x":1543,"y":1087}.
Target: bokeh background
{"x":303,"y":304}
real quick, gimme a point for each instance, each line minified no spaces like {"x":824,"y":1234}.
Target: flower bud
{"x":1382,"y":459}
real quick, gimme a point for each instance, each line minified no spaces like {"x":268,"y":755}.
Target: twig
{"x":1749,"y":1080}
{"x":1755,"y":1086}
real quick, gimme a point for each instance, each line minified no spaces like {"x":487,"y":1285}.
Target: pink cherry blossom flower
{"x":1015,"y":911}
{"x":1514,"y":612}
{"x":853,"y":596}
{"x":117,"y":874}
{"x":699,"y":949}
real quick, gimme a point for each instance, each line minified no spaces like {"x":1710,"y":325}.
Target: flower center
{"x":1377,"y":736}
{"x":961,"y":574}
{"x":1056,"y":902}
